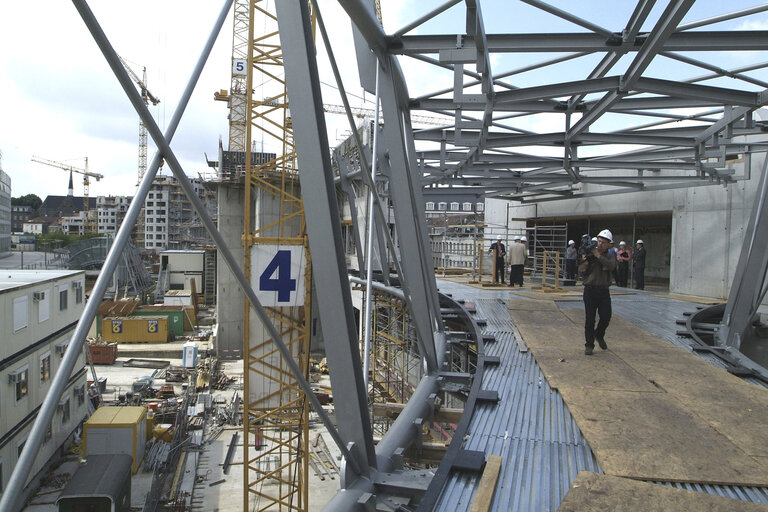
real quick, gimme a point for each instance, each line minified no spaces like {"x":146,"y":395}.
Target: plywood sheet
{"x":689,"y":298}
{"x":736,"y":408}
{"x":651,"y":437}
{"x":591,"y":492}
{"x":558,"y":345}
{"x":649,"y":409}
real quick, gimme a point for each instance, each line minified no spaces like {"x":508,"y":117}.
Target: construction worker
{"x":571,"y":257}
{"x":517,"y":255}
{"x":499,"y":251}
{"x":596,"y":268}
{"x":638,"y":265}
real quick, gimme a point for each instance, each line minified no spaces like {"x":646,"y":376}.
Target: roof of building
{"x":99,"y":475}
{"x":14,"y":279}
{"x":65,"y":203}
{"x":116,"y":416}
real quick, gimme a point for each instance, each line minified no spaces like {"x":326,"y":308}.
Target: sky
{"x":60,"y":101}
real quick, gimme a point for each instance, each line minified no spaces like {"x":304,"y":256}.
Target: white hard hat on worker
{"x":606,"y":234}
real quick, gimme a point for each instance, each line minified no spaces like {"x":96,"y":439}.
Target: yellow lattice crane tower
{"x":86,"y":183}
{"x":147,"y":97}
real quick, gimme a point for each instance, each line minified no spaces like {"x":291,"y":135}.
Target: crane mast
{"x":147,"y":97}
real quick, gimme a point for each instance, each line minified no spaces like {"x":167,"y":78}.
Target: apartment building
{"x":39,"y":310}
{"x":111,"y":211}
{"x":5,"y":212}
{"x":170,"y":221}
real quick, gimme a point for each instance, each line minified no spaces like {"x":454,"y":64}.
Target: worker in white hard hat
{"x":638,"y":265}
{"x":623,"y":256}
{"x":571,"y":255}
{"x":499,"y":251}
{"x":596,"y":269}
{"x":516,"y":262}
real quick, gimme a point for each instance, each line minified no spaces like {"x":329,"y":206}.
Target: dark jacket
{"x":597,"y":271}
{"x":638,"y":259}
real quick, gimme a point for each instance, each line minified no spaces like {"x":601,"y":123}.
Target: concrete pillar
{"x":229,"y":297}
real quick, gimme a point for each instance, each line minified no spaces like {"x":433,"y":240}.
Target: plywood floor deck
{"x":649,"y":410}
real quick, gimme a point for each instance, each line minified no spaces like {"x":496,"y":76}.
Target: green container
{"x":175,"y":318}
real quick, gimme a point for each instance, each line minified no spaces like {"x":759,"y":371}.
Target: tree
{"x":28,"y":200}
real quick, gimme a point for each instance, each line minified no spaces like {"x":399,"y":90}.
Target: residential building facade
{"x":111,"y":211}
{"x":170,"y":221}
{"x":39,"y":310}
{"x":20,"y":214}
{"x":5,"y":212}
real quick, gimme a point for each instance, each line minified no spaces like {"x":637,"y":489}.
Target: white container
{"x":189,"y":355}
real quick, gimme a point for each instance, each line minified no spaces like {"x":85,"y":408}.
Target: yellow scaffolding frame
{"x":276,"y":419}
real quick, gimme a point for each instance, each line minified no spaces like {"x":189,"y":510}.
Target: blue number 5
{"x":283,"y":284}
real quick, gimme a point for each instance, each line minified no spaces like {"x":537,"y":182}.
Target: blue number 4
{"x":283,"y":284}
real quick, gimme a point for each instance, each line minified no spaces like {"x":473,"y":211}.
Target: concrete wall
{"x":229,"y":296}
{"x":708,"y":224}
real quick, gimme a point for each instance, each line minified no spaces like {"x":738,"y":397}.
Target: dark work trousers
{"x":516,"y":274}
{"x":499,"y":277}
{"x":570,"y":269}
{"x":622,"y":269}
{"x":639,"y":278}
{"x":597,"y":300}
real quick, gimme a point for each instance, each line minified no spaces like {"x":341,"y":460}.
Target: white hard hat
{"x":594,"y":239}
{"x":523,"y":239}
{"x":498,"y":237}
{"x":622,"y":243}
{"x":639,"y":242}
{"x":571,"y":242}
{"x":606,"y":234}
{"x":517,"y":237}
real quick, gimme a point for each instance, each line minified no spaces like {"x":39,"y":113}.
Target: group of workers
{"x":598,"y":263}
{"x":623,"y":258}
{"x":515,"y":258}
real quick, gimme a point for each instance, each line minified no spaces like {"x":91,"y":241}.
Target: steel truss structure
{"x":489,"y":148}
{"x":277,"y":411}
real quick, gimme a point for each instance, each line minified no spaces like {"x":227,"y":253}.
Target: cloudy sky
{"x":60,"y":101}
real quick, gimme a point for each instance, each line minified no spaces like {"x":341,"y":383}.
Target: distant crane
{"x":147,"y":97}
{"x":85,"y":172}
{"x":369,"y":113}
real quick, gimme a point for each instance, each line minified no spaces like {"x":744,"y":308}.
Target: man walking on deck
{"x":596,"y":268}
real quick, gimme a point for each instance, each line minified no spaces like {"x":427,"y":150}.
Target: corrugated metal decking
{"x":541,"y":446}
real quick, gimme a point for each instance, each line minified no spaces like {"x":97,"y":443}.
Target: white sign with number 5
{"x":277,"y":274}
{"x":238,"y":66}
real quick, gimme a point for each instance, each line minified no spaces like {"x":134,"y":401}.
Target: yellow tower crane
{"x":147,"y":97}
{"x":86,"y":182}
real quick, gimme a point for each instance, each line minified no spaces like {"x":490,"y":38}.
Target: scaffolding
{"x":277,"y":410}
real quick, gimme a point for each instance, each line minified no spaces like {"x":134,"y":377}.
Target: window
{"x":442,"y":205}
{"x":20,"y":380}
{"x":45,"y":367}
{"x":43,"y":299}
{"x":467,"y":207}
{"x":61,"y":347}
{"x":430,"y":205}
{"x":480,"y":207}
{"x":62,"y":300}
{"x":79,"y":294}
{"x":20,"y":313}
{"x":454,"y":206}
{"x":64,"y":408}
{"x":150,"y":203}
{"x":79,"y":393}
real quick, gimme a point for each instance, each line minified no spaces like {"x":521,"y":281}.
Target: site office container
{"x":143,"y":329}
{"x":174,"y":314}
{"x":116,"y":430}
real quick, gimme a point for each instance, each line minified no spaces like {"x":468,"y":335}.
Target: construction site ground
{"x":203,"y":474}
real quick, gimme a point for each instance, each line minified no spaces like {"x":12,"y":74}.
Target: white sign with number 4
{"x":277,"y":274}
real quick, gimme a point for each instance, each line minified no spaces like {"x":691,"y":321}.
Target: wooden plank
{"x":651,"y":410}
{"x":484,"y":495}
{"x":591,"y":492}
{"x":735,"y":408}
